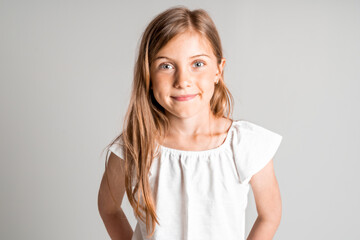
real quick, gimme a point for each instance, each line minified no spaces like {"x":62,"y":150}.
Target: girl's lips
{"x":184,"y":97}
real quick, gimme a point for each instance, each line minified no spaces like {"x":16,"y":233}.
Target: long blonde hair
{"x":145,"y":118}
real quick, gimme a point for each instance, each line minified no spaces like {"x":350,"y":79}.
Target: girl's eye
{"x":169,"y":66}
{"x":199,"y":62}
{"x":165,"y":64}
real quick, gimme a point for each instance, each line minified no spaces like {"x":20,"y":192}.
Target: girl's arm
{"x":112,"y":215}
{"x":268,"y":204}
{"x":117,"y":225}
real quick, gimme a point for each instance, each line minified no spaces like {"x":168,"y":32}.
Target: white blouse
{"x":202,"y":195}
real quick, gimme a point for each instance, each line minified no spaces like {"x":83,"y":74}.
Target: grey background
{"x":66,"y":71}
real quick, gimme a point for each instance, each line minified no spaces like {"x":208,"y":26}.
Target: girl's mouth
{"x":184,"y":97}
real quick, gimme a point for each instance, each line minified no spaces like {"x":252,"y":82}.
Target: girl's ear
{"x":220,"y":68}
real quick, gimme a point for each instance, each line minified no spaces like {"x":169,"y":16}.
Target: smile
{"x":185,"y":97}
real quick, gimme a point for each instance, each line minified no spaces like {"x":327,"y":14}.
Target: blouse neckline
{"x":208,"y":151}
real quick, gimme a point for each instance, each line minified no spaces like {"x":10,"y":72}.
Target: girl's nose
{"x":183,"y":78}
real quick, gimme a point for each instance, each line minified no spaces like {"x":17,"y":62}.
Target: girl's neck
{"x":210,"y":135}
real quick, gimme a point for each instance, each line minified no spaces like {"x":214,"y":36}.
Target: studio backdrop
{"x":66,"y":69}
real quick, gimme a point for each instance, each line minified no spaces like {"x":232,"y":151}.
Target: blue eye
{"x":199,"y":62}
{"x":165,"y":64}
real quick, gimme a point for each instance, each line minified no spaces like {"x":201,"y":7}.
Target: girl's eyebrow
{"x":198,"y":55}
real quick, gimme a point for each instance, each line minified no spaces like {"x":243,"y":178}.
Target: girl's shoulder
{"x":250,"y":136}
{"x":253,"y":146}
{"x":246,"y":127}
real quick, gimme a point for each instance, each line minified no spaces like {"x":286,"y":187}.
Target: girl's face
{"x":186,"y":65}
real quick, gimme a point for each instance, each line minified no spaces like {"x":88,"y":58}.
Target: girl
{"x":185,"y":165}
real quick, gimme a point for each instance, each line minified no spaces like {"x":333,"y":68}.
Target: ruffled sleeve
{"x":117,"y":148}
{"x":254,"y":147}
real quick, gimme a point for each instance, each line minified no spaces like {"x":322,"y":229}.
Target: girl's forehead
{"x":188,"y":41}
